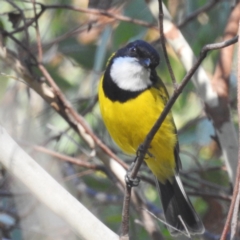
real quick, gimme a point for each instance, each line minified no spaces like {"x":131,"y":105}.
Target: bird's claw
{"x":131,"y":182}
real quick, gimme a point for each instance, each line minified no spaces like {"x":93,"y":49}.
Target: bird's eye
{"x":133,"y":49}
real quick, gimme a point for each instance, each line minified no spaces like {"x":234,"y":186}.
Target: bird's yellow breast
{"x":128,"y":124}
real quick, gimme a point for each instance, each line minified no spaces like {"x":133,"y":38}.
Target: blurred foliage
{"x":70,"y":47}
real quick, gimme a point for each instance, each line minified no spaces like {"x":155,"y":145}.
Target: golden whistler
{"x":131,"y":98}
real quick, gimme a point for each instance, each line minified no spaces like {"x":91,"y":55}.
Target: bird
{"x":131,"y":98}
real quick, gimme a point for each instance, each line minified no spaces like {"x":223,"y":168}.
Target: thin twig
{"x":25,"y":27}
{"x":19,"y":43}
{"x":63,"y":157}
{"x":30,"y":22}
{"x":234,"y":222}
{"x":56,"y":99}
{"x":104,"y":13}
{"x":76,"y":120}
{"x":39,"y":43}
{"x":236,"y":186}
{"x":200,"y":10}
{"x":125,"y":213}
{"x":80,"y":124}
{"x":164,"y":44}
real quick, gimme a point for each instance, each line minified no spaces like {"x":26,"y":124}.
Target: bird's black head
{"x":141,"y":50}
{"x":130,"y":71}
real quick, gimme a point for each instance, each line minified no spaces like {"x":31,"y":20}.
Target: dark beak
{"x":145,"y":62}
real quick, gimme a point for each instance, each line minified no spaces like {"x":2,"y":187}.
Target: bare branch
{"x":226,"y":131}
{"x":194,"y":14}
{"x":104,"y":13}
{"x":170,"y":70}
{"x":235,"y":199}
{"x":220,"y":114}
{"x":144,"y":147}
{"x":174,"y":97}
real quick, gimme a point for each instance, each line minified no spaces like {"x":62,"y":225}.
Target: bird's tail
{"x":178,"y":210}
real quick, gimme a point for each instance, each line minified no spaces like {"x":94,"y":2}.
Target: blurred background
{"x":75,"y":49}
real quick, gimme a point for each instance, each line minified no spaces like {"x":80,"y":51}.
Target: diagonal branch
{"x":49,"y":192}
{"x":174,"y":97}
{"x":144,"y":147}
{"x":225,"y":129}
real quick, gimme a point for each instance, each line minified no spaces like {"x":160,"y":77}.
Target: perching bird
{"x":131,"y":98}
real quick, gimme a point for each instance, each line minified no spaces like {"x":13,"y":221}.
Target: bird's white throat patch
{"x":128,"y":74}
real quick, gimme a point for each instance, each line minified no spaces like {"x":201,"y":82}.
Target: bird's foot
{"x":131,"y":182}
{"x":140,"y":150}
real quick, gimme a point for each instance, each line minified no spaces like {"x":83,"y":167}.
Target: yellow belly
{"x":129,"y":123}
